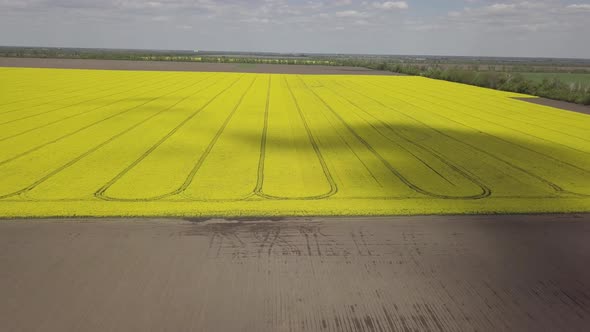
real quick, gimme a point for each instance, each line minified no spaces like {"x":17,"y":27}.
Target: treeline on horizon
{"x":506,"y":78}
{"x":552,"y":88}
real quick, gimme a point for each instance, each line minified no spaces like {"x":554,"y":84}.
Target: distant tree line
{"x":553,"y":88}
{"x":158,"y":56}
{"x":494,"y":75}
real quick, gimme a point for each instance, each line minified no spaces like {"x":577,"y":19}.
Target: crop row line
{"x":210,"y":147}
{"x":555,"y":187}
{"x":59,"y":88}
{"x":88,"y":152}
{"x":60,"y":107}
{"x":61,"y":93}
{"x":315,"y":144}
{"x":25,"y":76}
{"x":87,"y":111}
{"x":326,"y":171}
{"x":262,"y":155}
{"x":101,"y":193}
{"x":535,"y":115}
{"x":485,"y":192}
{"x":22,"y":154}
{"x":498,"y":124}
{"x":507,"y":141}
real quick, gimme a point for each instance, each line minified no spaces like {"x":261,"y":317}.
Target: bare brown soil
{"x":485,"y":273}
{"x":187,"y":66}
{"x":564,"y":105}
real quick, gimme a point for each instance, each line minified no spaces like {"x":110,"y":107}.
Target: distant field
{"x":108,"y":143}
{"x":583,"y":79}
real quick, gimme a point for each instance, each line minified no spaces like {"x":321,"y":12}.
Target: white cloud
{"x":390,"y":5}
{"x":348,"y":13}
{"x":304,"y":25}
{"x":582,"y":7}
{"x":517,"y":15}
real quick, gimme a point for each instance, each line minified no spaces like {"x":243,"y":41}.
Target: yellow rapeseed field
{"x":122,"y":143}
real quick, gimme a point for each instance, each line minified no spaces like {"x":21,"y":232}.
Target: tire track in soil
{"x":113,"y":138}
{"x":210,"y":147}
{"x":89,"y":126}
{"x":25,"y":81}
{"x":394,"y":142}
{"x":61,"y":99}
{"x":534,"y":115}
{"x":438,"y":97}
{"x":333,"y":186}
{"x":195,"y":169}
{"x":352,"y":150}
{"x":85,"y":112}
{"x":349,"y":148}
{"x":554,"y":186}
{"x":260,"y":175}
{"x":51,"y":95}
{"x":101,"y":193}
{"x":486,"y":192}
{"x":460,"y":170}
{"x":54,"y":109}
{"x":260,"y":172}
{"x":263,"y":142}
{"x":510,"y":129}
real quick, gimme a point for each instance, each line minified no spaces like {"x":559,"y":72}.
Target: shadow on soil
{"x":234,"y":219}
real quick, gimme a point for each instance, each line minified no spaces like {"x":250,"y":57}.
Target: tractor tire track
{"x":260,"y":174}
{"x":333,"y":186}
{"x":57,"y":108}
{"x":485,"y":191}
{"x":422,"y":161}
{"x":26,"y":81}
{"x":558,"y":161}
{"x":349,"y":147}
{"x":465,"y":173}
{"x":60,"y":89}
{"x":61,"y":99}
{"x":88,"y":152}
{"x":554,"y":186}
{"x":209,"y":148}
{"x":534,"y":115}
{"x":101,"y":193}
{"x":87,"y":111}
{"x":510,"y":129}
{"x":486,"y":110}
{"x":20,"y":155}
{"x":195,"y":169}
{"x":88,"y":79}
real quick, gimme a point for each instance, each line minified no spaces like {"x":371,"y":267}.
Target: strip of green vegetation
{"x":559,"y":79}
{"x":570,"y":78}
{"x":547,"y":87}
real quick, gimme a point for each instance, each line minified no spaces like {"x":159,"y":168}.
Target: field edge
{"x":295,"y":209}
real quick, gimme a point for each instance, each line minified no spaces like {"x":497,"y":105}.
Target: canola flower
{"x":118,"y":143}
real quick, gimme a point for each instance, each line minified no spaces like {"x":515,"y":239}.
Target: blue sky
{"x":551,"y":28}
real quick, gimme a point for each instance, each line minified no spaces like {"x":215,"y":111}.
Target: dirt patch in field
{"x":558,"y":104}
{"x":423,"y":273}
{"x":187,"y":66}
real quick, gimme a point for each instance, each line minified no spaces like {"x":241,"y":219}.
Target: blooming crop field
{"x":133,"y":143}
